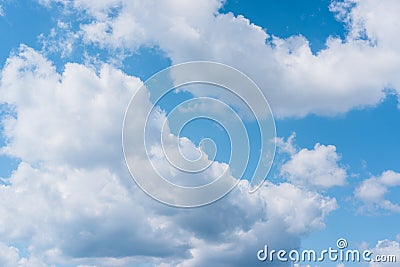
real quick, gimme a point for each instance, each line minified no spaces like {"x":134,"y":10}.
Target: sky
{"x":69,"y":69}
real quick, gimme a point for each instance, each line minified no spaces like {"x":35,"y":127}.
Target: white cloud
{"x":61,"y":39}
{"x":316,"y":168}
{"x":287,"y":146}
{"x":70,"y":201}
{"x":2,"y":13}
{"x":372,"y":191}
{"x":390,"y":178}
{"x":281,"y":205}
{"x":65,"y":121}
{"x":11,"y":257}
{"x":386,"y":248}
{"x":348,"y":74}
{"x":8,"y":256}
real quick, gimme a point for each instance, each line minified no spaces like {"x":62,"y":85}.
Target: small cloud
{"x":372,"y":191}
{"x":287,"y":146}
{"x":386,"y":248}
{"x":318,"y":167}
{"x":2,"y":13}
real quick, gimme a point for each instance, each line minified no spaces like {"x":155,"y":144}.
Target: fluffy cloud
{"x":71,"y":202}
{"x":386,"y":248}
{"x":346,"y":74}
{"x":66,"y":131}
{"x":281,"y":207}
{"x":316,"y":168}
{"x":372,"y":191}
{"x":8,"y":256}
{"x":11,"y":257}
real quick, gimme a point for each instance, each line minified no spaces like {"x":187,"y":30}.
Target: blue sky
{"x":69,"y":68}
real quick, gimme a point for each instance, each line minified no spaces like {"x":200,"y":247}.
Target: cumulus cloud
{"x":386,"y":248}
{"x":8,"y":256}
{"x":11,"y":257}
{"x":372,"y":191}
{"x":318,"y":167}
{"x":280,"y":204}
{"x":347,"y":74}
{"x":70,"y":201}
